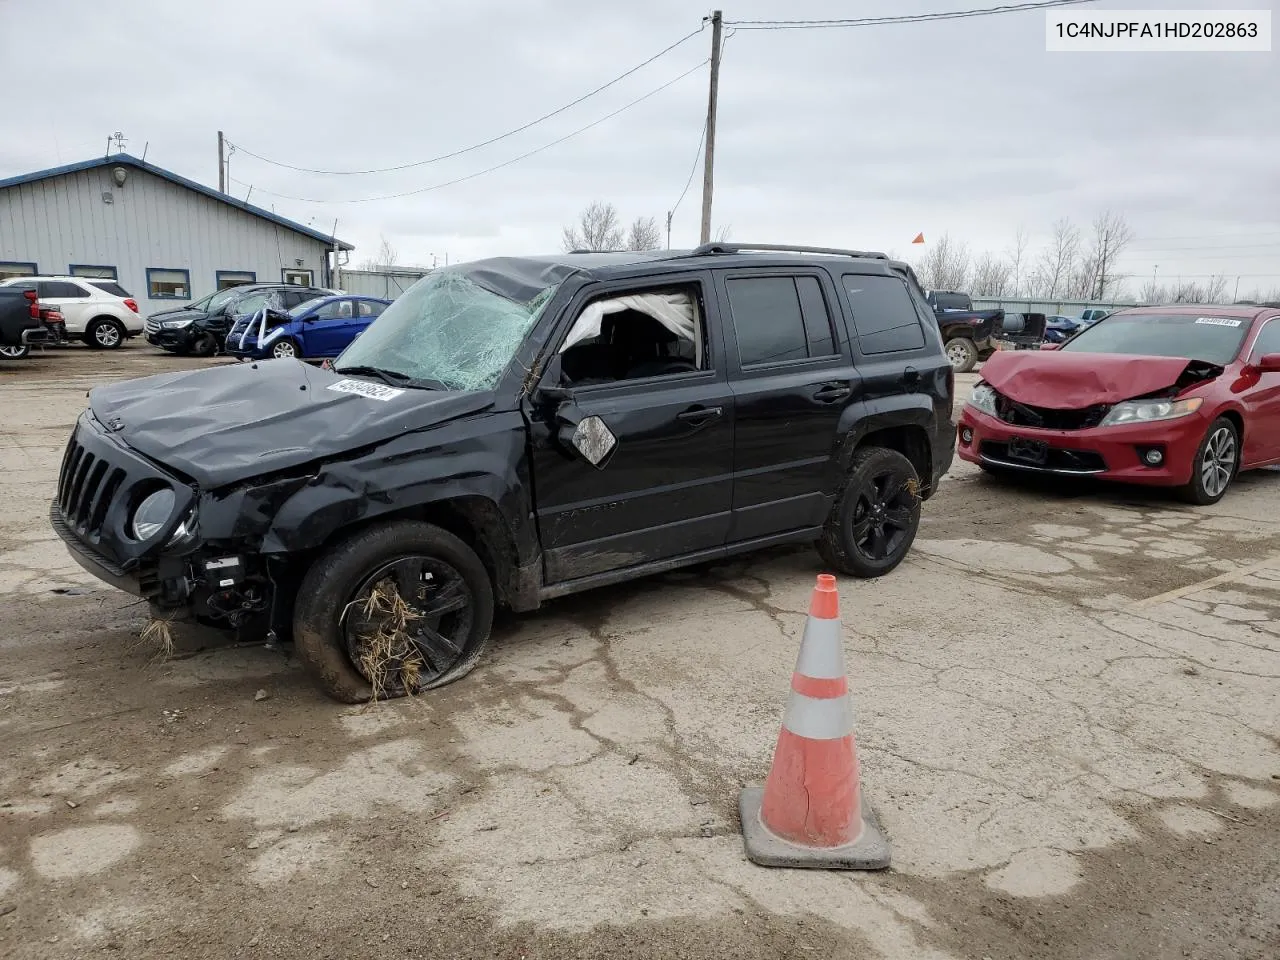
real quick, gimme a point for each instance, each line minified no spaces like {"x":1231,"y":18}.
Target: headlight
{"x":1147,"y":411}
{"x":176,"y":324}
{"x":983,"y":398}
{"x":152,"y":514}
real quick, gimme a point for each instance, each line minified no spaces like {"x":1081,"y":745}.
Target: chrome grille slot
{"x":69,"y":464}
{"x":83,"y":466}
{"x":106,"y":493}
{"x":97,"y":472}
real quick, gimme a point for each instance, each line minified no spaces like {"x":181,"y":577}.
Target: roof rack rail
{"x":709,"y":248}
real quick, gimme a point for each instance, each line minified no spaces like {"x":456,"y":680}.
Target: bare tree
{"x":1213,"y":290}
{"x":945,"y":266}
{"x":1017,"y":255}
{"x":598,"y":228}
{"x":1111,"y":235}
{"x":644,"y":234}
{"x":1056,"y":263}
{"x":386,"y":257}
{"x":991,"y":276}
{"x":1256,"y":295}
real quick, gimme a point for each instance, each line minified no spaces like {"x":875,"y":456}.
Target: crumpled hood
{"x":1072,"y":381}
{"x":232,"y":423}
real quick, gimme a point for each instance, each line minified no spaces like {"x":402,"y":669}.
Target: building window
{"x":300,"y":277}
{"x":234,"y":278}
{"x":96,"y":271}
{"x":166,"y":284}
{"x":10,"y":268}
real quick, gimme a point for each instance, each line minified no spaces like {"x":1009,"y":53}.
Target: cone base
{"x":869,"y":852}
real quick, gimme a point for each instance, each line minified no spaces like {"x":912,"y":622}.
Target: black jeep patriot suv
{"x":517,"y":429}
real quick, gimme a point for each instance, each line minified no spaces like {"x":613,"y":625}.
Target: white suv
{"x":97,"y":310}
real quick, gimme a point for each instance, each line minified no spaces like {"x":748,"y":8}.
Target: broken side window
{"x":635,"y":335}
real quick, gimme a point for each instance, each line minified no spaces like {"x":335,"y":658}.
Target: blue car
{"x":1059,"y":329}
{"x":318,"y":328}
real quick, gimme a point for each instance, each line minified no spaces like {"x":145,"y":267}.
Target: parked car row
{"x":265,"y":320}
{"x":98,"y":312}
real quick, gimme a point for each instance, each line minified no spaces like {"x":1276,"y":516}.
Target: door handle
{"x":700,"y":414}
{"x":832,"y":392}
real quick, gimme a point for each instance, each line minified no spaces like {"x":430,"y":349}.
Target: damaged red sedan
{"x":1173,"y":396}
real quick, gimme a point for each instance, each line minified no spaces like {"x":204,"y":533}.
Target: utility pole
{"x":336,"y":278}
{"x":669,"y":215}
{"x":222,"y":168}
{"x":1236,"y":295}
{"x":708,"y":170}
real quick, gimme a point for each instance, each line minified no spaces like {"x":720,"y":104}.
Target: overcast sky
{"x":854,"y":137}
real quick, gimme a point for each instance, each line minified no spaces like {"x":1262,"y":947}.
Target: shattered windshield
{"x":446,"y":328}
{"x":1215,"y":339}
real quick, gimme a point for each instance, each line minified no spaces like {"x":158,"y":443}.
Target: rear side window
{"x":111,"y":287}
{"x":777,"y":319}
{"x":368,"y":309}
{"x":62,"y":290}
{"x":883,"y":314}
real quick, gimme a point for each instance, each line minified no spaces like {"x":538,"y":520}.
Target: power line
{"x":899,"y":18}
{"x":491,"y":140}
{"x":697,"y":157}
{"x":1244,"y":245}
{"x":498,"y":166}
{"x":1216,"y":236}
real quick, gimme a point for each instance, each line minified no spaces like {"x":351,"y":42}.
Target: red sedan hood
{"x":1071,"y":381}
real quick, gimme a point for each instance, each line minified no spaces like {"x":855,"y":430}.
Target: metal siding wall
{"x":151,"y":223}
{"x":1066,"y":308}
{"x":377,"y":283}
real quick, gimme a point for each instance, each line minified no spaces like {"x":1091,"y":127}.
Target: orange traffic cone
{"x":811,"y":812}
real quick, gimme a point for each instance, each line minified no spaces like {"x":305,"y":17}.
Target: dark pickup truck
{"x":24,"y":322}
{"x":969,"y":335}
{"x":513,"y":430}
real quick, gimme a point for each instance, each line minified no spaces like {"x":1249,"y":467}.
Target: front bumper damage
{"x":182,"y":571}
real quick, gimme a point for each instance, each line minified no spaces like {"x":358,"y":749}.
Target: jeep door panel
{"x":792,"y":377}
{"x":666,"y":489}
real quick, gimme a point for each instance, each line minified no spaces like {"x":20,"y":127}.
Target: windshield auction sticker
{"x":1158,"y":31}
{"x":1219,"y":321}
{"x":362,"y":388}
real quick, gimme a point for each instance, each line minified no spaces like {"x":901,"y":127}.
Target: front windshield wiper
{"x":394,"y":378}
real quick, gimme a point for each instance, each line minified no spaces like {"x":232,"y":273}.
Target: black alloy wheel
{"x":875,"y":518}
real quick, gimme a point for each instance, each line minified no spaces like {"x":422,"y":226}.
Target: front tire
{"x":1215,"y":466}
{"x":105,"y":333}
{"x":962,"y":353}
{"x":876,"y":516}
{"x":395,"y":609}
{"x":285,"y":350}
{"x":204,"y":345}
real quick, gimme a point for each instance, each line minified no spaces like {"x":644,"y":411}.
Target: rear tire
{"x":1216,"y":463}
{"x":19,"y":352}
{"x":333,"y":593}
{"x":962,"y":353}
{"x":105,"y":333}
{"x":875,"y":518}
